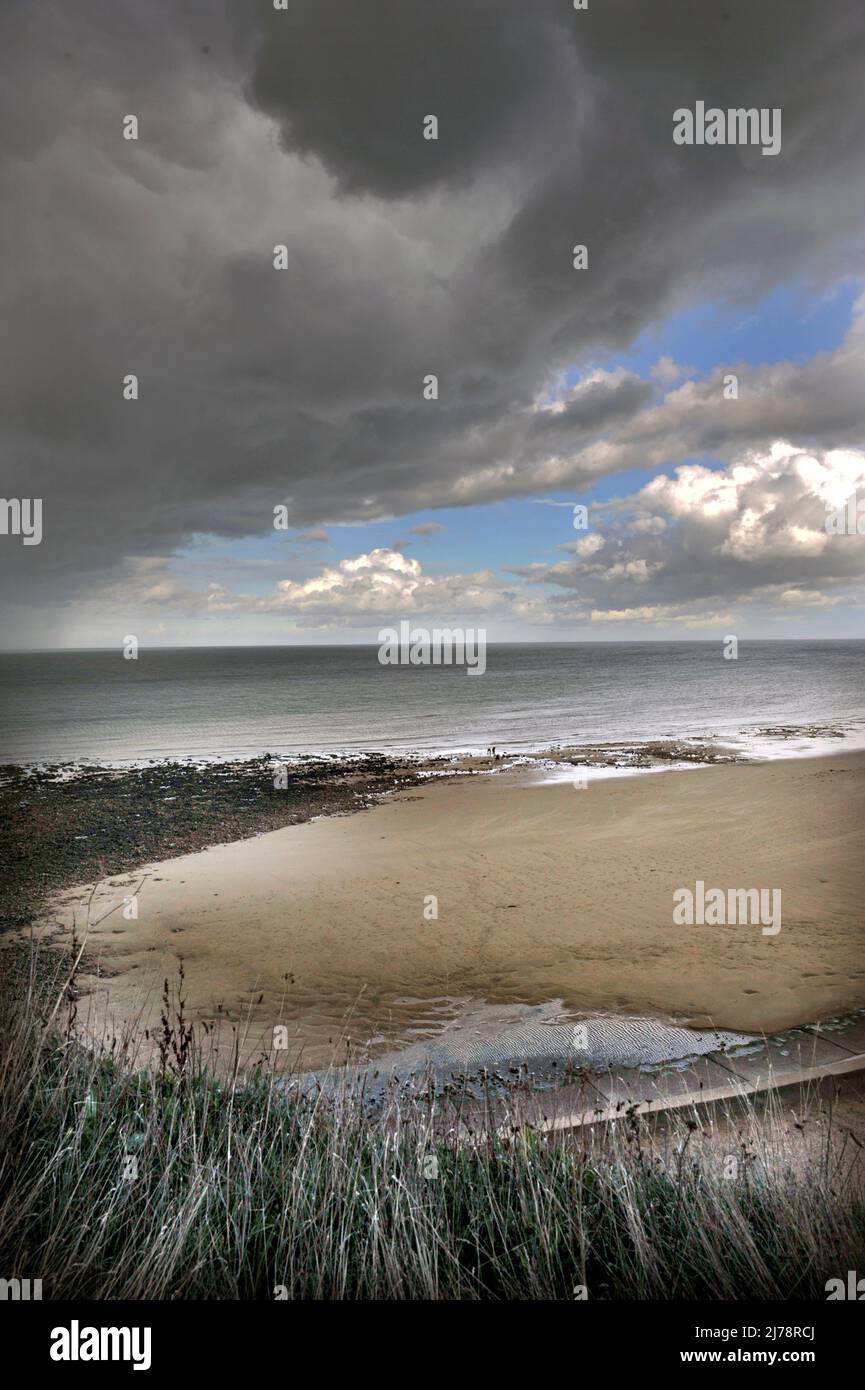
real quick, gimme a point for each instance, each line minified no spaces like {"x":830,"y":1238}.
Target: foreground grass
{"x":118,"y":1181}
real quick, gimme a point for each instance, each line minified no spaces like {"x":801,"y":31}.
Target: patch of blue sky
{"x":516,"y":531}
{"x":787,"y":325}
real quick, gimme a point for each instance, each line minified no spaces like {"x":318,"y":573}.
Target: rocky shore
{"x":64,"y":825}
{"x":67,"y":824}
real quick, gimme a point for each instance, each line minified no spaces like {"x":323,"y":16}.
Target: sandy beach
{"x":543,"y":892}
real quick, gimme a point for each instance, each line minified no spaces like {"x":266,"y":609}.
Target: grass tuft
{"x":174,"y":1180}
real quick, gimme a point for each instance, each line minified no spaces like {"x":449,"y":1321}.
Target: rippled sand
{"x":543,"y":893}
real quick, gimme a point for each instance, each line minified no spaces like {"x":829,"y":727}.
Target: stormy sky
{"x":302,"y":387}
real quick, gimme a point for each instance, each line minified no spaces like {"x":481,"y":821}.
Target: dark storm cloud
{"x":404,"y":257}
{"x":351,"y":84}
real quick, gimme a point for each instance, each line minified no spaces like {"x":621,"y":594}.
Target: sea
{"x":776,"y":698}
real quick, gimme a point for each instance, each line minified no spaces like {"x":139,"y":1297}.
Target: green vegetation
{"x":172,"y":1181}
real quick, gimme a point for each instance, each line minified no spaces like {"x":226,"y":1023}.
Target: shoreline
{"x":123,"y":820}
{"x":761,"y":742}
{"x":545,"y":894}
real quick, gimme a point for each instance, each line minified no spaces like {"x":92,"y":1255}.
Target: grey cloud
{"x":405,"y":257}
{"x":352,"y":85}
{"x":594,"y":409}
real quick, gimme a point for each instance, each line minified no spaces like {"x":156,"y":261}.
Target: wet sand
{"x":544,"y":892}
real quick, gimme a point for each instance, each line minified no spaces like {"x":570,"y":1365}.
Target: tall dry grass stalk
{"x":120,"y":1179}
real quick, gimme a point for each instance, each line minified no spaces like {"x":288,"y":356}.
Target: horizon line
{"x":333,"y":646}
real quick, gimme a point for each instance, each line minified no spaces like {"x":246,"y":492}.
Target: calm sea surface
{"x":238,"y":702}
